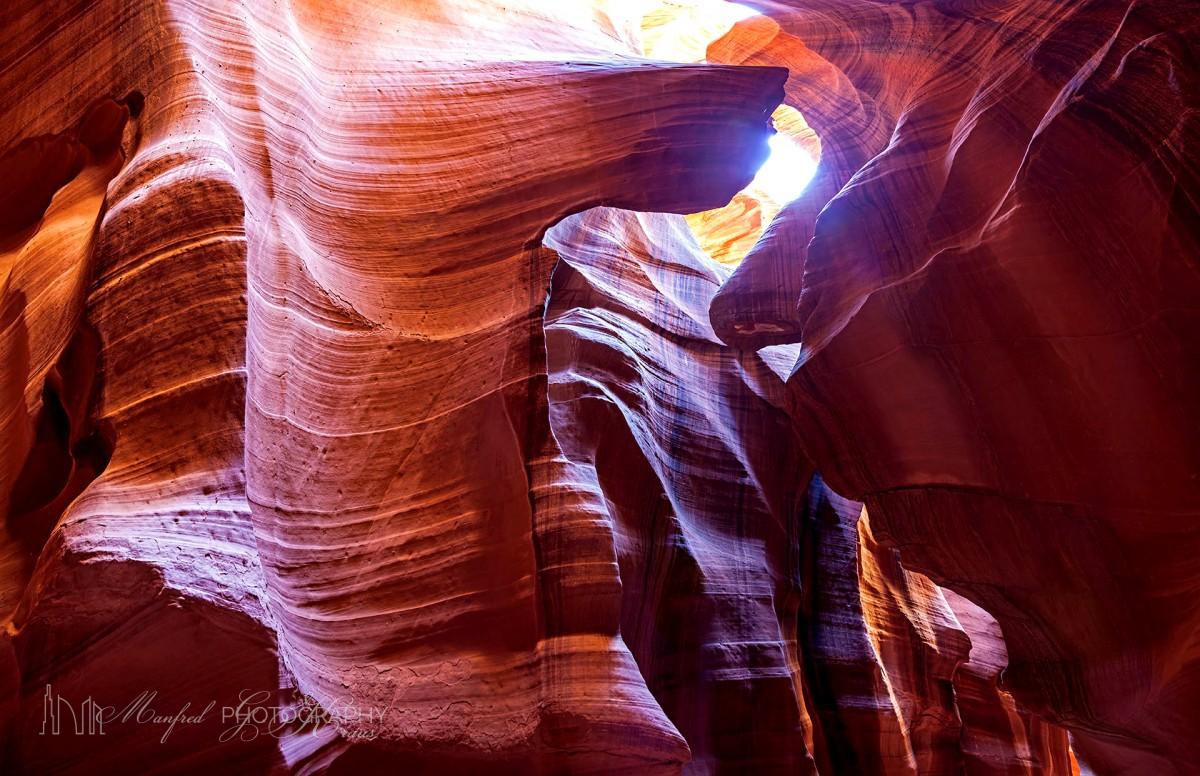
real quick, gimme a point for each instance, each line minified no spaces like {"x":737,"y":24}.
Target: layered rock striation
{"x":361,"y":367}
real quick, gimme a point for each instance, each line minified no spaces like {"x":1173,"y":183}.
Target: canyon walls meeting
{"x":432,"y":387}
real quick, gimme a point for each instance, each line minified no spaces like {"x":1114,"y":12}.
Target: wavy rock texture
{"x":360,"y":354}
{"x":997,"y":312}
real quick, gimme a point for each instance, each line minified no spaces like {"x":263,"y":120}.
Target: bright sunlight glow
{"x":680,"y":30}
{"x":683,"y":31}
{"x":786,"y":171}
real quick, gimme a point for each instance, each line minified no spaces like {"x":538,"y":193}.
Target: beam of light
{"x":682,"y":31}
{"x":787,"y":170}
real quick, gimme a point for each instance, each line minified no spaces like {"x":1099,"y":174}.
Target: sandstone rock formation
{"x":370,"y":406}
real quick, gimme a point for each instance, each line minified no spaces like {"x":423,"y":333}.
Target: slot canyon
{"x":797,"y":387}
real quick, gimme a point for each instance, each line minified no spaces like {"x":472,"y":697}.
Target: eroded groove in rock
{"x":999,"y":321}
{"x":708,"y":593}
{"x":342,"y":375}
{"x":69,"y":449}
{"x":996,"y":737}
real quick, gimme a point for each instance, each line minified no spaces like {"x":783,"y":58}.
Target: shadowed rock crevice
{"x":71,"y":446}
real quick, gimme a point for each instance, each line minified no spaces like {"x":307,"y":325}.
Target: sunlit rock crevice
{"x":599,"y":387}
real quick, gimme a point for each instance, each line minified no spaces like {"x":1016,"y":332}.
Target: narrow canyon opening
{"x":682,"y":31}
{"x":486,"y":382}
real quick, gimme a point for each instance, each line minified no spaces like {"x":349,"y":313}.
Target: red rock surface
{"x":999,"y":329}
{"x":359,"y":363}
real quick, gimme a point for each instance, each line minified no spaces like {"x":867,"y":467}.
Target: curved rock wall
{"x":361,"y":368}
{"x":997,"y":311}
